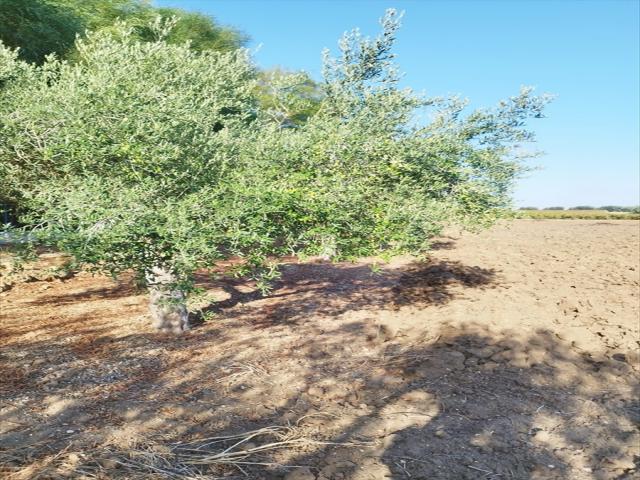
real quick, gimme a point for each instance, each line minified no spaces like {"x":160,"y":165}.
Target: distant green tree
{"x":43,"y":27}
{"x":553,"y":208}
{"x":528,"y":208}
{"x":289,"y":98}
{"x":38,"y":28}
{"x":583,"y":207}
{"x":200,"y":30}
{"x":616,"y":208}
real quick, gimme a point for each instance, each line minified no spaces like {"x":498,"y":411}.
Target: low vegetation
{"x":591,"y":214}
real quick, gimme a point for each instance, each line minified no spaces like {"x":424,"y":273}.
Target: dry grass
{"x":192,"y":460}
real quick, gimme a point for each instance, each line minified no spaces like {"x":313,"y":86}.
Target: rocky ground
{"x":512,"y":354}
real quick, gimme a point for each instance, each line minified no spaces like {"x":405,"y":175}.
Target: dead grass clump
{"x":192,"y":460}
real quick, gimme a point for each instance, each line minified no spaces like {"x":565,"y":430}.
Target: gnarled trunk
{"x":166,"y":303}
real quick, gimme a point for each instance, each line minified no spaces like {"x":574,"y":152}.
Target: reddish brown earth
{"x":512,"y":354}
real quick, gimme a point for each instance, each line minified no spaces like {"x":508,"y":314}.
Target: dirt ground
{"x":511,"y":354}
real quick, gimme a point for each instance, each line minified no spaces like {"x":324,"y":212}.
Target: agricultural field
{"x":224,"y":262}
{"x":577,"y":214}
{"x":510,"y":354}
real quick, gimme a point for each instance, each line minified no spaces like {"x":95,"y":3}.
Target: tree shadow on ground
{"x":475,"y":404}
{"x":89,"y":397}
{"x":117,"y":289}
{"x":332,"y":289}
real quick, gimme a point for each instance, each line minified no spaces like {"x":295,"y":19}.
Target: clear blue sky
{"x":585,"y":52}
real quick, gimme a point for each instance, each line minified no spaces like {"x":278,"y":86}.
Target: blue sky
{"x":585,"y":52}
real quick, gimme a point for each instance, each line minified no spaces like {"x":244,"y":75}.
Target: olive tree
{"x":160,"y":160}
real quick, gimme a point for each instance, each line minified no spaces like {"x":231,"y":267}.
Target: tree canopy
{"x":161,"y":159}
{"x":38,"y":28}
{"x":43,"y":27}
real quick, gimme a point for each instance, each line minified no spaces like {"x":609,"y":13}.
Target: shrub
{"x":160,"y":160}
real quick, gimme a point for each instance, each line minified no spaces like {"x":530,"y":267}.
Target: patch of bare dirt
{"x":509,"y":354}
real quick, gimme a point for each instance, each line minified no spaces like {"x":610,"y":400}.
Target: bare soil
{"x":511,"y":354}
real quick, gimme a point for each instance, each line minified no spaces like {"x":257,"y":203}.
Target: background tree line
{"x":607,"y":208}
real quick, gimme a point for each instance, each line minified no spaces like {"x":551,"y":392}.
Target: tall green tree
{"x":43,"y":27}
{"x":38,"y":28}
{"x":161,"y":160}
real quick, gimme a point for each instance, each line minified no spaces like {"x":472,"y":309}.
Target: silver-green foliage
{"x":157,"y":155}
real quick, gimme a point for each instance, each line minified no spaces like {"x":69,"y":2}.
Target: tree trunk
{"x":167,"y":304}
